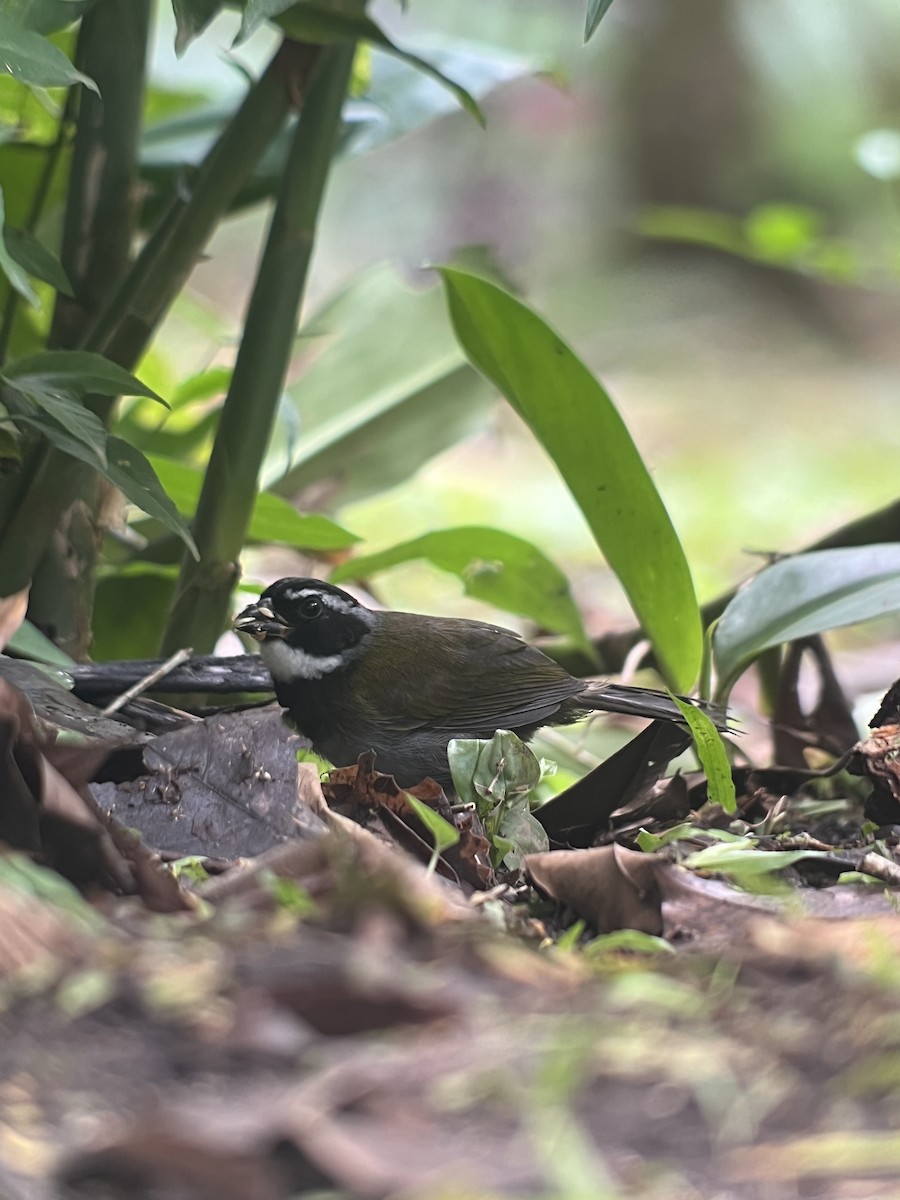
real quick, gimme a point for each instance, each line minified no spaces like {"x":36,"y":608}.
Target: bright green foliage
{"x":498,"y":567}
{"x":443,"y":834}
{"x":802,"y":596}
{"x":712,"y":754}
{"x":577,"y":423}
{"x":31,"y":59}
{"x":498,"y":776}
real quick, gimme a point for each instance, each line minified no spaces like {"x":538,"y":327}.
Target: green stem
{"x":248,"y":415}
{"x":127,"y":322}
{"x":123,"y":330}
{"x":36,"y":209}
{"x":100,"y":224}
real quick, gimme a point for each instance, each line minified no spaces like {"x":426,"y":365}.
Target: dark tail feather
{"x":646,"y":702}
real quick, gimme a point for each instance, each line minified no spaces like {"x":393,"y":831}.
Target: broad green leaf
{"x":494,"y":566}
{"x":46,"y":16}
{"x":739,"y":859}
{"x":486,"y":772}
{"x":77,"y":372}
{"x":36,"y":259}
{"x":802,"y":596}
{"x":515,"y":831}
{"x":596,"y":11}
{"x":58,"y":435}
{"x":133,"y":475}
{"x":77,"y":420}
{"x":29,"y":642}
{"x":202,"y":386}
{"x":10,"y":266}
{"x":273,"y":520}
{"x":387,"y":389}
{"x":712,"y":754}
{"x":31,"y":59}
{"x":577,"y":423}
{"x":191,"y":18}
{"x":316,"y":22}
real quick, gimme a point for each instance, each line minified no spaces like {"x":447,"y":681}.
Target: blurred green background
{"x":759,"y":388}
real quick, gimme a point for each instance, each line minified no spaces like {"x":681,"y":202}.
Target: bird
{"x":403,"y":685}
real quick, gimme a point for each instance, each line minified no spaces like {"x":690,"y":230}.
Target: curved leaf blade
{"x":31,"y":59}
{"x":802,"y":596}
{"x":134,"y":476}
{"x":10,"y":266}
{"x":596,"y":11}
{"x":495,"y":566}
{"x":575,"y":420}
{"x":75,"y":372}
{"x":274,"y":521}
{"x":311,"y":22}
{"x":712,"y":754}
{"x":36,"y":259}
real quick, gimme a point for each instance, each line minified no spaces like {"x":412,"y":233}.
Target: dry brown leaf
{"x":611,"y":887}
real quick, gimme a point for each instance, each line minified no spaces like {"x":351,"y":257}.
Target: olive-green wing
{"x":470,"y":677}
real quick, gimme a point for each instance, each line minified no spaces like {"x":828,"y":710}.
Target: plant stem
{"x":248,"y":415}
{"x":126,"y":324}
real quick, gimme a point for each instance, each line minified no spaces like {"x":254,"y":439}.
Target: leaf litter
{"x":222,"y":976}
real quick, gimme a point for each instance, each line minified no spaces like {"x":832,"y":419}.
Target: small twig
{"x":179,"y":657}
{"x":633,"y":659}
{"x":882,"y":868}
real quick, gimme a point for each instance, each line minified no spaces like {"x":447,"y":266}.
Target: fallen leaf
{"x":611,"y":887}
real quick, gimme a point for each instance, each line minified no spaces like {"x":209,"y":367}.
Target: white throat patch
{"x":287,"y":662}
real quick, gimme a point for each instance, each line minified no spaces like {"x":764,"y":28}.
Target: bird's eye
{"x":311,"y":607}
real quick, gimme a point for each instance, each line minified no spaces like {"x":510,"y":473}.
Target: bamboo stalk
{"x":230,"y":487}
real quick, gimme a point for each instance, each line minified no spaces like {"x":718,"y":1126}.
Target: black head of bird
{"x":403,"y":685}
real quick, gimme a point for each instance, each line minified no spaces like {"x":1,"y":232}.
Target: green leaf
{"x":46,"y":16}
{"x":651,"y":842}
{"x":486,"y":772}
{"x":31,"y":59}
{"x":57,"y":434}
{"x":76,"y":372}
{"x":387,"y":389}
{"x":79,"y":421}
{"x":596,"y":11}
{"x":802,"y":596}
{"x":443,"y":834}
{"x":273,"y":520}
{"x":632,"y":940}
{"x":743,"y":859}
{"x":312,"y":22}
{"x":515,"y":832}
{"x":36,"y":259}
{"x":712,"y":754}
{"x":10,"y":267}
{"x":133,"y":475}
{"x":494,"y":566}
{"x":29,"y":642}
{"x":578,"y":425}
{"x":191,"y":18}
